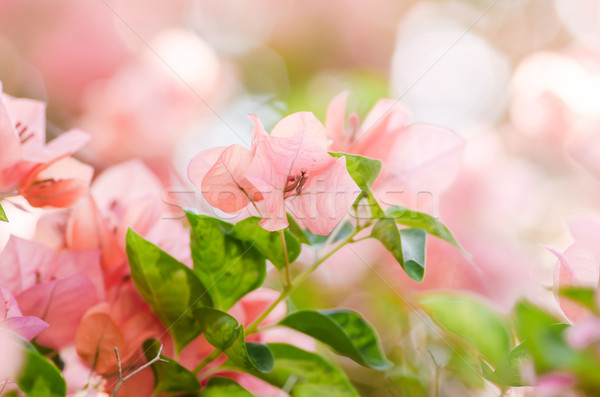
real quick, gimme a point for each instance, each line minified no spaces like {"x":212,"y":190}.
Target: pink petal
{"x":10,"y":149}
{"x":305,"y":122}
{"x":65,"y":144}
{"x":202,"y":163}
{"x":277,"y":158}
{"x":32,"y":115}
{"x":335,"y":119}
{"x":87,"y":230}
{"x":583,"y":334}
{"x":8,"y":305}
{"x":225,"y":186}
{"x":424,"y":158}
{"x":380,"y":127}
{"x":325,"y":199}
{"x":28,"y":327}
{"x":86,"y":263}
{"x":62,"y":304}
{"x":24,"y":263}
{"x":124,"y":183}
{"x":258,"y":132}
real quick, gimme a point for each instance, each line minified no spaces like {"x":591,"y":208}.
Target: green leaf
{"x":229,"y":268}
{"x":267,"y":243}
{"x":223,"y":331}
{"x":386,"y":231}
{"x":39,"y":377}
{"x":543,"y":335}
{"x":363,"y":170}
{"x":344,"y":331}
{"x":305,"y":374}
{"x":3,"y":217}
{"x":400,"y":386}
{"x":220,"y":329}
{"x":410,"y":218}
{"x":170,"y":288}
{"x":509,"y":370}
{"x":224,"y":387}
{"x":473,"y":322}
{"x":413,"y":252}
{"x":586,"y":297}
{"x":169,"y":376}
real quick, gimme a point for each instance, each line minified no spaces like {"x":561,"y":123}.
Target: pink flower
{"x":579,"y":265}
{"x":12,"y":319}
{"x":57,"y":288}
{"x":289,"y":169}
{"x":417,"y":157}
{"x":126,"y":323}
{"x":42,"y":173}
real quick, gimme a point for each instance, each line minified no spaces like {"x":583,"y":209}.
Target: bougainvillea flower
{"x":126,"y":324}
{"x":60,"y":183}
{"x":415,"y":156}
{"x":579,"y":264}
{"x":57,"y":288}
{"x":292,"y":166}
{"x":41,"y":172}
{"x":13,"y":320}
{"x":289,"y":168}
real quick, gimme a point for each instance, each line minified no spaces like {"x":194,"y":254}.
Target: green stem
{"x":288,"y":277}
{"x":207,"y":360}
{"x":253,"y":328}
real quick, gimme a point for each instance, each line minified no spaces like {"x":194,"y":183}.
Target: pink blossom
{"x":289,"y":169}
{"x":41,"y":172}
{"x":57,"y":288}
{"x":12,"y":319}
{"x":578,"y":265}
{"x":415,"y":156}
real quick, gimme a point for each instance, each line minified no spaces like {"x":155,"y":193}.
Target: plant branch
{"x":288,"y":278}
{"x":252,"y":328}
{"x":207,"y":360}
{"x":122,"y":378}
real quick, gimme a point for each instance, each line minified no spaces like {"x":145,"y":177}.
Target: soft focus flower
{"x":416,"y":157}
{"x":12,"y":319}
{"x":57,"y":288}
{"x":42,"y":173}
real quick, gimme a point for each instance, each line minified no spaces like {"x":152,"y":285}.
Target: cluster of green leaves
{"x":406,"y":244}
{"x":501,"y":349}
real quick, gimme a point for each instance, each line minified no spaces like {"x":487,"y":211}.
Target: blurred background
{"x":518,"y":79}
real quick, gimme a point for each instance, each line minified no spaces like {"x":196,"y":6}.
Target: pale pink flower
{"x":415,"y":156}
{"x":288,"y":169}
{"x":12,"y":319}
{"x":57,"y":288}
{"x":579,"y":264}
{"x":41,"y":172}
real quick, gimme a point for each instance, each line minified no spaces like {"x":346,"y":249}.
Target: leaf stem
{"x":253,"y":327}
{"x":207,"y":360}
{"x":288,"y":277}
